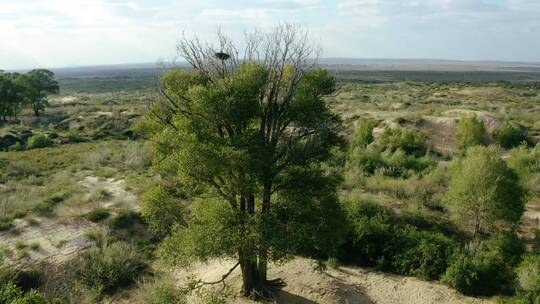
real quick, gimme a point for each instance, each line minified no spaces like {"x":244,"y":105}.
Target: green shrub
{"x":463,"y":274}
{"x":411,"y":142}
{"x":488,"y":270}
{"x":39,"y":141}
{"x":528,"y":275}
{"x":125,"y":220}
{"x":98,"y":215}
{"x":9,"y":292}
{"x":48,"y":204}
{"x":424,"y":254}
{"x":369,"y":233}
{"x":364,"y":133}
{"x":470,"y":132}
{"x":31,"y":297}
{"x":409,"y":245}
{"x":16,"y":147}
{"x":163,"y":292}
{"x":103,"y":269}
{"x":511,"y":135}
{"x":6,"y":223}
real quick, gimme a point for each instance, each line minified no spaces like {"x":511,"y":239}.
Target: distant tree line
{"x":20,"y":90}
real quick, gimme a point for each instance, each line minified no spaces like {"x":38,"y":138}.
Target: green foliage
{"x":424,"y":254}
{"x":125,"y":220}
{"x":411,"y":142}
{"x":162,"y":211}
{"x":39,"y":141}
{"x":397,"y":152}
{"x":408,"y":245}
{"x":103,"y":269}
{"x":488,"y":270}
{"x":11,"y":99}
{"x":31,"y":297}
{"x":528,"y":275}
{"x":510,"y":135}
{"x":164,"y":292}
{"x":9,"y":292}
{"x":37,"y":85}
{"x":370,"y":231}
{"x":471,"y":131}
{"x":484,"y":191}
{"x":212,"y":232}
{"x":241,"y":142}
{"x":364,"y":133}
{"x":526,"y":162}
{"x":98,"y":215}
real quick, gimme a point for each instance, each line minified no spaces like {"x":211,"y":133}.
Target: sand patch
{"x":347,"y":285}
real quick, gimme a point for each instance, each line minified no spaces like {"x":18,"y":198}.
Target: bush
{"x":511,"y":135}
{"x":411,"y":142}
{"x":489,"y":269}
{"x":163,"y":292}
{"x":125,"y":220}
{"x":31,"y":297}
{"x":424,"y":254}
{"x":98,"y":215}
{"x":379,"y":238}
{"x":364,"y":133}
{"x":9,"y":292}
{"x":103,"y":269}
{"x":463,"y":274}
{"x":470,"y":132}
{"x":39,"y":141}
{"x":528,"y":275}
{"x":370,"y":230}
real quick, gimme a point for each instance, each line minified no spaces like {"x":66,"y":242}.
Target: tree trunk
{"x":263,"y":254}
{"x":252,"y":286}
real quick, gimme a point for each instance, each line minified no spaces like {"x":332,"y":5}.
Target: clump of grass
{"x":103,"y":269}
{"x":21,"y":254}
{"x":98,"y":215}
{"x":125,"y":220}
{"x":35,"y":246}
{"x":19,"y":245}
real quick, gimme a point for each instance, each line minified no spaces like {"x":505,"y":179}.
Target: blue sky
{"x":57,"y":33}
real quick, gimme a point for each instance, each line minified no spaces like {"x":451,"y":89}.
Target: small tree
{"x":10,"y":96}
{"x":364,"y":133}
{"x":37,"y":85}
{"x":484,"y":191}
{"x":249,"y":136}
{"x":470,"y":132}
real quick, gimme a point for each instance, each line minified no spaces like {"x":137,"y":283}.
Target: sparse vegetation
{"x":416,"y":192}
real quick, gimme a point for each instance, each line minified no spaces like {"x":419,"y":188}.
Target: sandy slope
{"x":348,"y":285}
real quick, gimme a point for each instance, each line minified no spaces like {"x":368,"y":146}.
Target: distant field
{"x":135,"y":77}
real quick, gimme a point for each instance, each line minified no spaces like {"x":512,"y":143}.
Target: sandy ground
{"x":61,"y":237}
{"x":58,"y":239}
{"x":347,"y":285}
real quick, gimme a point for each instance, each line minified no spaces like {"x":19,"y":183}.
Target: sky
{"x":60,"y":33}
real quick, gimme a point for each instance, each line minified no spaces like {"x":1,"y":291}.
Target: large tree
{"x":250,"y":135}
{"x":37,"y":85}
{"x":484,"y":192}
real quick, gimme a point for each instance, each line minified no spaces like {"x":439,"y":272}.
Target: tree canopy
{"x":28,"y":89}
{"x":250,"y":138}
{"x":471,"y":131}
{"x":484,"y":191}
